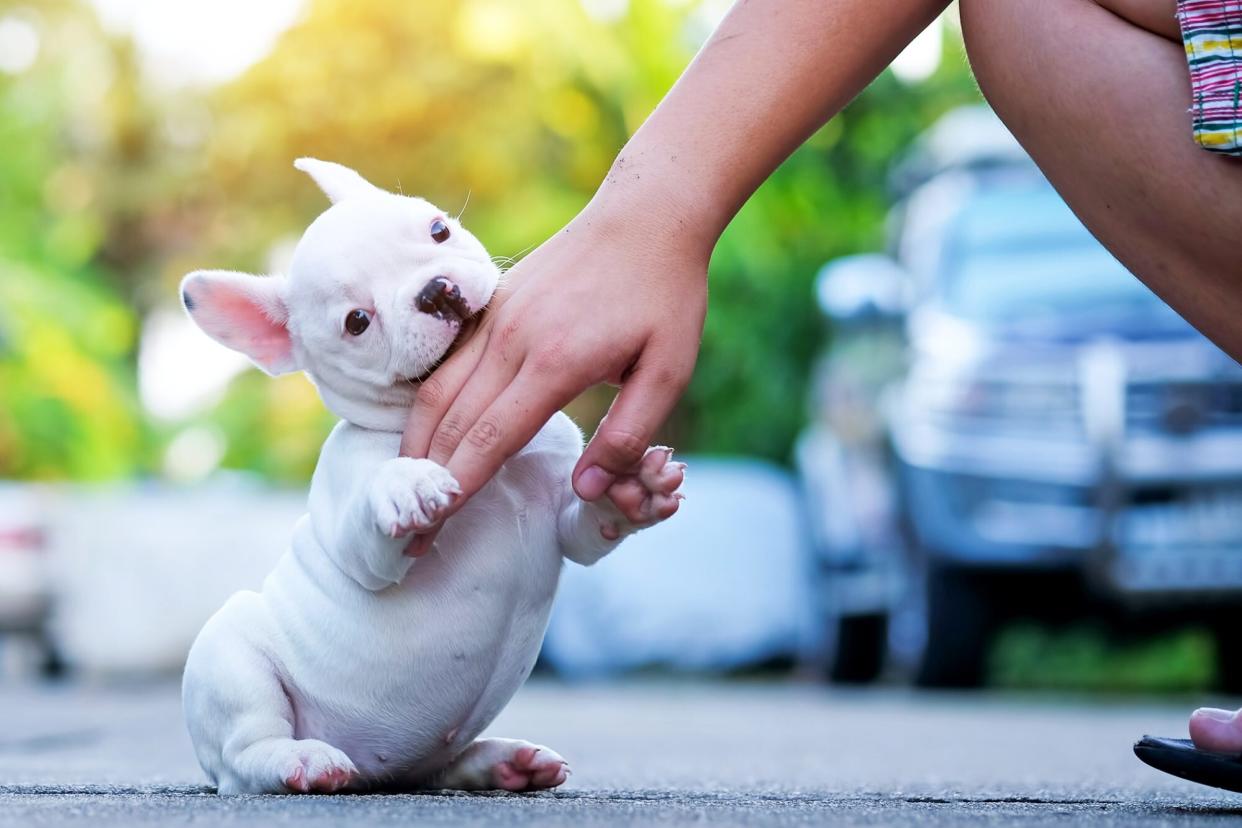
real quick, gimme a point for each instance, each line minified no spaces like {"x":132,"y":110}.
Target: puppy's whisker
{"x":524,"y":251}
{"x":463,"y":206}
{"x":505,"y":263}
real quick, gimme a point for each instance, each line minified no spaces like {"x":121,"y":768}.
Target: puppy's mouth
{"x":442,"y":299}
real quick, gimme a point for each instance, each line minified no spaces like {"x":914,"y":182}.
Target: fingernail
{"x":593,"y":482}
{"x":1215,"y":714}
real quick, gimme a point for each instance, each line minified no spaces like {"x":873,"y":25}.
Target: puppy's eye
{"x":356,"y":322}
{"x":440,"y":231}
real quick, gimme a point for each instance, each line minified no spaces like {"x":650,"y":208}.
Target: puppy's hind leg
{"x":240,"y":718}
{"x":503,"y":764}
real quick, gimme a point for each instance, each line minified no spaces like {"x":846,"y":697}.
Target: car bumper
{"x":1165,"y":539}
{"x":998,"y":521}
{"x":1069,"y":460}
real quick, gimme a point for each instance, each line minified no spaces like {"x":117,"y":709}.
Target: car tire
{"x":959,"y":616}
{"x":860,"y":643}
{"x":52,"y":665}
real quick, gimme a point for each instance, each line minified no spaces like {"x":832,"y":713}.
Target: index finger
{"x":508,"y":424}
{"x":437,"y":394}
{"x":505,"y":427}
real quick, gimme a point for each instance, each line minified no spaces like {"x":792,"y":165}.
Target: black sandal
{"x":1181,"y":758}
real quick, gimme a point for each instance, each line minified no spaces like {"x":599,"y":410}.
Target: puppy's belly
{"x":403,"y":679}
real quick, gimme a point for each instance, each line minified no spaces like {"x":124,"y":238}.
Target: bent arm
{"x":589,"y":531}
{"x":342,"y":501}
{"x":619,"y":295}
{"x":354,"y":540}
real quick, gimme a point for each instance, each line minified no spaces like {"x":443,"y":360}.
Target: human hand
{"x":618,"y":296}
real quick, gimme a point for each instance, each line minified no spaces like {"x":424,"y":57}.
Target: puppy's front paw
{"x":411,"y":495}
{"x":647,"y":496}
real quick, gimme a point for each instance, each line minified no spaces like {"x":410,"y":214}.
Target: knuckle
{"x":431,"y":394}
{"x":671,"y":376}
{"x":508,"y":333}
{"x":548,"y":360}
{"x":485,"y":434}
{"x":624,"y":444}
{"x":448,"y":435}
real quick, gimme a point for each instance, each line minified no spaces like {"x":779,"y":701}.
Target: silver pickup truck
{"x":1009,"y":422}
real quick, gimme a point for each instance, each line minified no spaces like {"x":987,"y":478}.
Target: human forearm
{"x":771,"y":74}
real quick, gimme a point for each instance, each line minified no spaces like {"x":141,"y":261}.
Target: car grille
{"x":1182,"y":408}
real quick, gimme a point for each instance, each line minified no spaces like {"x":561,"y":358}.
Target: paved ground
{"x":649,"y":753}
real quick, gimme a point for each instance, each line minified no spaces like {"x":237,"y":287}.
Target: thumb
{"x":646,"y":398}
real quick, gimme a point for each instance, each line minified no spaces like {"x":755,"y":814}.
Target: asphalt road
{"x":650,"y":753}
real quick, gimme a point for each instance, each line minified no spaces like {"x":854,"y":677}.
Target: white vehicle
{"x":25,"y":576}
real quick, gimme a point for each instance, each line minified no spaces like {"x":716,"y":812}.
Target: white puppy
{"x":358,"y":667}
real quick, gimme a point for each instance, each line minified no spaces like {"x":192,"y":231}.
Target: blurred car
{"x":1029,"y":425}
{"x":25,"y":574}
{"x":721,"y":587}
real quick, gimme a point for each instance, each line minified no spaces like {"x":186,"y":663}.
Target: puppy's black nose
{"x":441,"y":297}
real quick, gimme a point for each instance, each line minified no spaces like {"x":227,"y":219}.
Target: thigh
{"x":1101,"y":104}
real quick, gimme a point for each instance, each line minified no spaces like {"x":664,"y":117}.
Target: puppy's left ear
{"x":337,"y":181}
{"x":243,"y":312}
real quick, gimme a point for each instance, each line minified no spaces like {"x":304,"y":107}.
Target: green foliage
{"x":110,"y":193}
{"x":274,"y":426}
{"x":1086,"y":658}
{"x":513,"y":112}
{"x":67,"y":403}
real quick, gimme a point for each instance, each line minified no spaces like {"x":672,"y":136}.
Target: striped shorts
{"x":1212,"y":34}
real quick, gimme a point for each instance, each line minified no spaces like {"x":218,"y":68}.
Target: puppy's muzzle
{"x":442,"y":299}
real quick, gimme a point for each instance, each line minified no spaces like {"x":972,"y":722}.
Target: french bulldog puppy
{"x":358,"y":667}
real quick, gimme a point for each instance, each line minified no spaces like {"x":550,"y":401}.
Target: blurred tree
{"x":110,"y":192}
{"x":67,"y":333}
{"x":519,"y":109}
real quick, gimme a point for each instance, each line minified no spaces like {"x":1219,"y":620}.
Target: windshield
{"x":1020,"y":255}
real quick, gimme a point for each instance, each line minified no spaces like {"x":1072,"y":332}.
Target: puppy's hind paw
{"x":530,"y":768}
{"x":411,"y":495}
{"x":506,"y":765}
{"x":311,"y":766}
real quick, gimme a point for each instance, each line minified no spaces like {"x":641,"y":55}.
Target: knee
{"x":1016,"y":46}
{"x":1010,"y":43}
{"x":988,"y":30}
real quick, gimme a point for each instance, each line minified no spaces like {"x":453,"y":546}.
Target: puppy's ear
{"x":243,"y":312}
{"x":338,"y":182}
